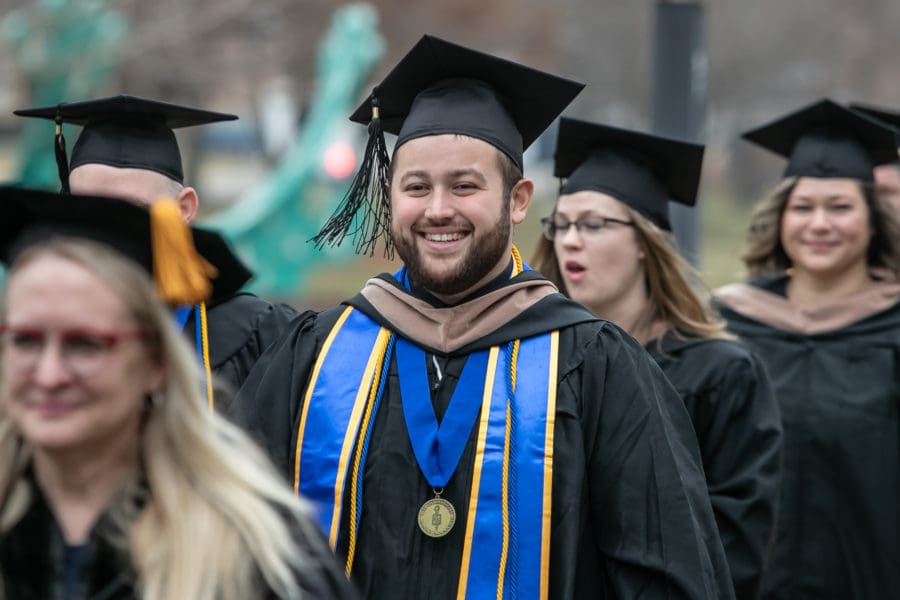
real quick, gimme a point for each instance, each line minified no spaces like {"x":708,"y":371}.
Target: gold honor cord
{"x":363,"y":428}
{"x":548,"y":464}
{"x":207,"y":369}
{"x":504,"y":552}
{"x":504,"y":549}
{"x":517,"y":261}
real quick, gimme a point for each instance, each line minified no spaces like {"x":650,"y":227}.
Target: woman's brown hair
{"x":672,"y":301}
{"x":764,"y":254}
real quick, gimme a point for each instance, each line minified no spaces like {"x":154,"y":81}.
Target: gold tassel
{"x":181,"y":275}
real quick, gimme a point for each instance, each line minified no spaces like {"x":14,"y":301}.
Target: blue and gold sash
{"x":507,"y":544}
{"x":201,"y":342}
{"x":507,"y":535}
{"x":332,"y":409}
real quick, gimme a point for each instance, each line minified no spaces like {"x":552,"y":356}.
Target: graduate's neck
{"x":810,"y":289}
{"x":630,"y":311}
{"x":493,"y":280}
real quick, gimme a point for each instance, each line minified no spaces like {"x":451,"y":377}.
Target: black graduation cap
{"x":886,"y":117}
{"x":827,"y":140}
{"x":157,"y":239}
{"x":438,"y":88}
{"x":124,"y":131}
{"x":641,"y":170}
{"x":441,"y":87}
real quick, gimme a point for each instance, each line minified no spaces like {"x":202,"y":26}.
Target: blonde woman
{"x":116,"y":480}
{"x":607,"y":245}
{"x":823,"y":310}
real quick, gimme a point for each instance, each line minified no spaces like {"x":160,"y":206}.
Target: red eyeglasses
{"x":81,"y":350}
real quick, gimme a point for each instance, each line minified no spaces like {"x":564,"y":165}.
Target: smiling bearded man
{"x":465,"y":430}
{"x":445,"y":223}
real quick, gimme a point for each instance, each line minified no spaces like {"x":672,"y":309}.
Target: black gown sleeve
{"x":240,"y":331}
{"x":268,"y":401}
{"x":738,"y":424}
{"x":320,"y":574}
{"x":729,"y":397}
{"x":654,"y":526}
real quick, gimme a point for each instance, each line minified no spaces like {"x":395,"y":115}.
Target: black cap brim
{"x":886,"y":117}
{"x":676,"y":164}
{"x":532,"y":98}
{"x":825,"y":139}
{"x":32,"y":215}
{"x":172,"y":116}
{"x":126,"y":132}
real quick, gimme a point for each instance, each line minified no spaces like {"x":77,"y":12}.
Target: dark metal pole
{"x":679,"y":96}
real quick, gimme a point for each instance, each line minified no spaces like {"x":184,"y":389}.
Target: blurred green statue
{"x":68,"y":49}
{"x":271,"y":225}
{"x":64,"y":49}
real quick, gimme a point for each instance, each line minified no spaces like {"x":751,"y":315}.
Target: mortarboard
{"x":188,"y":264}
{"x":827,"y":140}
{"x":641,"y":170}
{"x":124,"y":131}
{"x":887,"y":117}
{"x":440,"y":88}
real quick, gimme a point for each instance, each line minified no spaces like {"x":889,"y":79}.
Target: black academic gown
{"x":738,"y":424}
{"x":839,"y":522}
{"x":32,"y":563}
{"x":631,"y":517}
{"x":240,"y":327}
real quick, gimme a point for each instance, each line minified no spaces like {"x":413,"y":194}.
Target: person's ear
{"x":520,"y":200}
{"x":188,"y":203}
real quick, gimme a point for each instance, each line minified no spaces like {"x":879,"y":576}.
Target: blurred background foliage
{"x":270,"y":62}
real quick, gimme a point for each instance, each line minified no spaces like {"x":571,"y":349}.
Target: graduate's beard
{"x":482,"y":256}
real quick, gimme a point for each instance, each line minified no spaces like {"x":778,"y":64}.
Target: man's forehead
{"x":446,"y":154}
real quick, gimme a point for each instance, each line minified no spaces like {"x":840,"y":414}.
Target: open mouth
{"x":574,"y":268}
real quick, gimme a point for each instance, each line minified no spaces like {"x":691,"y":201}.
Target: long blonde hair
{"x":218,"y":522}
{"x":672,"y":301}
{"x":763,"y":253}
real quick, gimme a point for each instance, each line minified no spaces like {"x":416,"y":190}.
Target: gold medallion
{"x":436,"y":517}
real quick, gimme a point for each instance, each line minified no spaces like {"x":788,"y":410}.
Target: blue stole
{"x":530,"y":455}
{"x":181,"y":315}
{"x":332,"y":409}
{"x":506,"y":551}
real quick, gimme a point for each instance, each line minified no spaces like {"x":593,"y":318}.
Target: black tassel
{"x":62,"y":161}
{"x":562,"y":184}
{"x":365,"y":211}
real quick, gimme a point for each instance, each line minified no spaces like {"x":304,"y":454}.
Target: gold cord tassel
{"x":181,"y":275}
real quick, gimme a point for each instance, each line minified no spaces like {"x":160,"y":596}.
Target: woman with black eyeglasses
{"x":608,"y":245}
